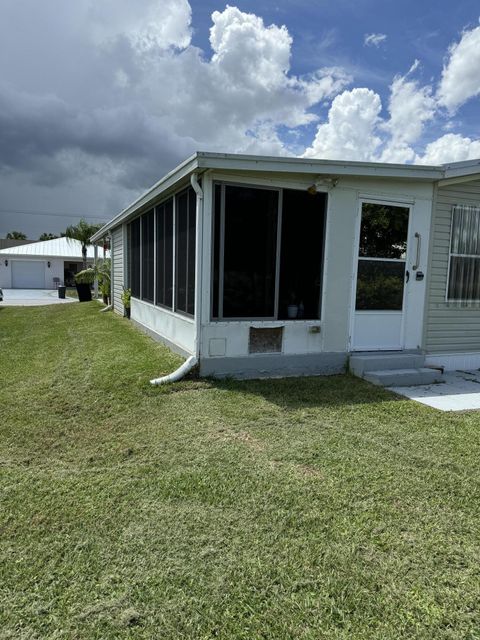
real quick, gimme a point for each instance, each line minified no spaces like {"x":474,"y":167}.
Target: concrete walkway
{"x":32,"y":298}
{"x":460,"y":391}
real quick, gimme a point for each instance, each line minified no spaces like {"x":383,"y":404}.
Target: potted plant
{"x":83,"y":282}
{"x":126,"y":297}
{"x":103,"y":273}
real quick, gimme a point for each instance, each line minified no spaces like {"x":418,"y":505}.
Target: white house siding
{"x":223,"y":340}
{"x":117,"y":268}
{"x":449,"y":328}
{"x":175,"y":330}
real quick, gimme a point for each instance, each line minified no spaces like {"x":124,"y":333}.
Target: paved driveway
{"x":32,"y":297}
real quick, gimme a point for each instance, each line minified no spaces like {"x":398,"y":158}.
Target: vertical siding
{"x":117,"y":268}
{"x":449,"y":327}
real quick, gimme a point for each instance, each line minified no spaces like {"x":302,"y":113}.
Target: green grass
{"x":300,"y":508}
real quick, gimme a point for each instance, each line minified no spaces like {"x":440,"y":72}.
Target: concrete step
{"x":361,"y":363}
{"x":403,"y":377}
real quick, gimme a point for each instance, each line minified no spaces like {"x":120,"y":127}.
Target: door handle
{"x":419,"y":245}
{"x":407,"y":275}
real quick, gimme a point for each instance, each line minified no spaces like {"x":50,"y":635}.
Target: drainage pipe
{"x":178,"y":374}
{"x":107,"y":308}
{"x":192,"y":361}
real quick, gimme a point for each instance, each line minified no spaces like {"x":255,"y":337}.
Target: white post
{"x":95,"y":258}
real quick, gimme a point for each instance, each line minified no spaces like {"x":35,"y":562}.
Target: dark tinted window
{"x":147,"y":255}
{"x":185,"y":251}
{"x":134,"y":257}
{"x":165,"y":254}
{"x":250,"y":243}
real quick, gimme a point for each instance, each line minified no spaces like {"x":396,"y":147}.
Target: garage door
{"x":28,"y":274}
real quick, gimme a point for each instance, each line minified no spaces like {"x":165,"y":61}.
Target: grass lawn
{"x":300,"y":508}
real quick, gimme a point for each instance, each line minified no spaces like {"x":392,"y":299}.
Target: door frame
{"x":406,"y":204}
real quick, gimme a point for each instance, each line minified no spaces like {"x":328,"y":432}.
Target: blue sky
{"x":100,"y":98}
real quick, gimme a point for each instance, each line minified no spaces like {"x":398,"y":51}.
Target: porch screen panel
{"x":185,"y":232}
{"x":464,"y":267}
{"x":147,"y":255}
{"x":249,"y":252}
{"x":134,"y":257}
{"x":164,"y":284}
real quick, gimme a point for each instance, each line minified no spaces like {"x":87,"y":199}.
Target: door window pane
{"x":383,"y":231}
{"x":380,"y":285}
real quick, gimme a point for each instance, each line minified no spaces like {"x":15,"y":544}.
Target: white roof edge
{"x":184,"y":168}
{"x":464,"y":168}
{"x":213,"y":160}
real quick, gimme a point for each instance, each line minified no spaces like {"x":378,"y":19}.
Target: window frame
{"x":455,"y":209}
{"x":268,"y":319}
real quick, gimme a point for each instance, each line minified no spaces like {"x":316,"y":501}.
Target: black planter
{"x":61,"y":292}
{"x":84,"y":292}
{"x":126,"y":312}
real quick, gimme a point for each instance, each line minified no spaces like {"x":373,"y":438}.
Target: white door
{"x":379,"y":303}
{"x":28,"y":274}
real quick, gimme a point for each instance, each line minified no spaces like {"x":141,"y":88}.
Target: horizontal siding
{"x":450,"y":327}
{"x":118,"y":275}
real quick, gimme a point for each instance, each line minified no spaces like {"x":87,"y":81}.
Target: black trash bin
{"x":61,"y":292}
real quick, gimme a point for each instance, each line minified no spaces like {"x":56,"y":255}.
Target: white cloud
{"x":157,"y":24}
{"x":461,"y":75}
{"x":350,"y":132}
{"x":374,"y":39}
{"x":410,"y":107}
{"x":452,"y":147}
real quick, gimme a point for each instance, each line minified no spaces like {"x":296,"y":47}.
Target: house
{"x":270,"y":266}
{"x":42,"y":265}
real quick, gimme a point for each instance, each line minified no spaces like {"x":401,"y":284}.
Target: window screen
{"x":147,"y":255}
{"x":464,"y":267}
{"x":164,"y":214}
{"x":246,"y":257}
{"x":185,"y":232}
{"x":134,"y":257}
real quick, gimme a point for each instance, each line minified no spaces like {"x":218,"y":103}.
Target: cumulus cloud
{"x":374,"y":39}
{"x":461,"y":76}
{"x":452,"y":147}
{"x":152,"y":97}
{"x":350,"y":132}
{"x":410,"y":107}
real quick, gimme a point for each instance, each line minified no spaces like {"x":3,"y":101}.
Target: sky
{"x":100,"y":98}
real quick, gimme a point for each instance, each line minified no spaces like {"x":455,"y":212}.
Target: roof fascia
{"x":317,"y":167}
{"x":168,"y":181}
{"x":460,"y":169}
{"x":468,"y":178}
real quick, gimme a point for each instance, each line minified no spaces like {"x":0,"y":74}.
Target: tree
{"x":48,"y":236}
{"x":82,"y":232}
{"x":16,"y":235}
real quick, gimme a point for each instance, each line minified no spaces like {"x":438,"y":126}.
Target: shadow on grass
{"x":300,"y":392}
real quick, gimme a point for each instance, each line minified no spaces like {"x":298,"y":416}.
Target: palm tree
{"x":82,"y":232}
{"x":47,"y":236}
{"x":16,"y":235}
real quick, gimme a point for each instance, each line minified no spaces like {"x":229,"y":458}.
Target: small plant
{"x":125,"y":298}
{"x":86,"y":276}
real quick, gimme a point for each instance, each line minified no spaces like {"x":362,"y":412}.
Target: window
{"x":164,"y":214}
{"x":147,"y":255}
{"x":382,"y":257}
{"x":464,"y":264}
{"x":185,"y":232}
{"x":134,"y":257}
{"x":267,"y":253}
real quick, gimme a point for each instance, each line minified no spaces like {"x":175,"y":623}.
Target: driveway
{"x":32,"y":298}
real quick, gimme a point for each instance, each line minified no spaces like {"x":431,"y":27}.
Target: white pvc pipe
{"x":107,"y":308}
{"x":178,"y":374}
